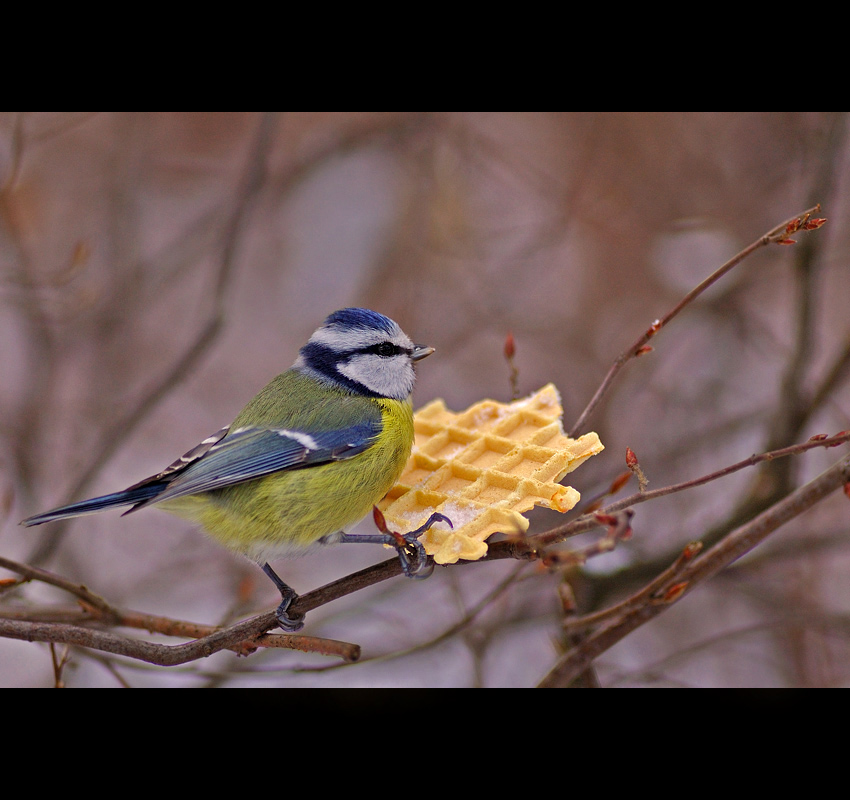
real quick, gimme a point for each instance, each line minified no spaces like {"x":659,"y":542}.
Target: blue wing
{"x":249,"y":453}
{"x":225,"y":459}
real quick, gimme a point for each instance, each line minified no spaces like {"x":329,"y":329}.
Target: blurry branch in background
{"x":21,"y":274}
{"x":768,"y":504}
{"x":115,"y":434}
{"x":781,"y":234}
{"x":347,"y":139}
{"x":762,"y":509}
{"x":795,"y":406}
{"x":686,"y":572}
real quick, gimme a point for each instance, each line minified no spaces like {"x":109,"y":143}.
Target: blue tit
{"x":310,"y":455}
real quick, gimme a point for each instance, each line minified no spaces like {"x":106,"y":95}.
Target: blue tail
{"x":126,"y":498}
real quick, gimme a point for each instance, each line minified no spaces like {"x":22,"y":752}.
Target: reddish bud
{"x":654,"y":328}
{"x":818,"y":437}
{"x":842,"y":436}
{"x":380,"y":520}
{"x":631,"y":458}
{"x":510,"y":346}
{"x":847,"y":489}
{"x":675,"y":592}
{"x":786,"y":241}
{"x":793,"y":226}
{"x":814,"y":224}
{"x":619,"y":482}
{"x":642,"y":351}
{"x":593,"y":506}
{"x":691,"y":550}
{"x":606,"y":519}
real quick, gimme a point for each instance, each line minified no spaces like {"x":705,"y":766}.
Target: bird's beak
{"x":420,"y":351}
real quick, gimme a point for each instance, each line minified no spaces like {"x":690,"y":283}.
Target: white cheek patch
{"x":389,"y":377}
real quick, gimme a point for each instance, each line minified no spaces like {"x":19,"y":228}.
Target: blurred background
{"x":158,"y":268}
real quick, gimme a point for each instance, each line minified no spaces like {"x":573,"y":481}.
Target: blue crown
{"x":360,"y":318}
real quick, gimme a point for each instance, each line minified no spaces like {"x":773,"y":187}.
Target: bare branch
{"x":97,"y":610}
{"x":779,"y":235}
{"x":705,"y":566}
{"x":589,"y":521}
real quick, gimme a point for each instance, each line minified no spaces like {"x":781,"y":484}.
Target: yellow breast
{"x":286,"y":512}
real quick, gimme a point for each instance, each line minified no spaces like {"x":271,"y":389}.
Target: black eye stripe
{"x":384,"y":349}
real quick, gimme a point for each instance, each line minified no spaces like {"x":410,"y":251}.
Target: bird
{"x":307,"y":457}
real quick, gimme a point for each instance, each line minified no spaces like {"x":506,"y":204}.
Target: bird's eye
{"x":387,"y":349}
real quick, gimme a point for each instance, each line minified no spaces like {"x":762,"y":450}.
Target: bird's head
{"x":363,"y":351}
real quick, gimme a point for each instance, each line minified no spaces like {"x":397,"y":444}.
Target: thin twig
{"x":589,"y":521}
{"x":654,"y":588}
{"x":705,"y":566}
{"x":233,"y":638}
{"x":778,"y":235}
{"x":97,"y":609}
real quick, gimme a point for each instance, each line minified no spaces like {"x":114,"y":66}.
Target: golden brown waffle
{"x":482,"y":468}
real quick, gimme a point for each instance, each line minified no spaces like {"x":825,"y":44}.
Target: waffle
{"x":483,"y":468}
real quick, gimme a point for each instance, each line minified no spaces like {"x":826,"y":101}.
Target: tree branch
{"x":778,"y":235}
{"x":703,"y":567}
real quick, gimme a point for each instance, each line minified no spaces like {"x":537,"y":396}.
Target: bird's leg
{"x":411,"y":552}
{"x":288,"y":595}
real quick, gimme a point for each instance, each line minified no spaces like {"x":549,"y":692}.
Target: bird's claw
{"x":414,"y":560}
{"x":411,"y":552}
{"x":286,"y":621}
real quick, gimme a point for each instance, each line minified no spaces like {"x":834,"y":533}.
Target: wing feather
{"x":248,"y":453}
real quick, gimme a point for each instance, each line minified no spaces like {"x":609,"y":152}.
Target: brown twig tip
{"x":619,"y":530}
{"x":692,"y":551}
{"x":510,"y":352}
{"x":803,"y":223}
{"x":634,"y":467}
